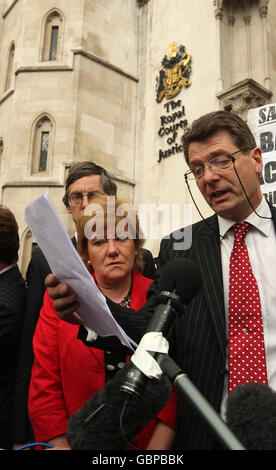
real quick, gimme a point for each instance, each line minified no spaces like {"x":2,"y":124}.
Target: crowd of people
{"x":52,"y":367}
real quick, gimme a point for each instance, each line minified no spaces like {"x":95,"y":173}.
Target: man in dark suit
{"x":226,"y":164}
{"x":12,"y":309}
{"x":83,"y":180}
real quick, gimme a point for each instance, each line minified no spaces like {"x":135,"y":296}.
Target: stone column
{"x":231,"y":21}
{"x":218,"y":16}
{"x":247,"y":20}
{"x":263,"y":8}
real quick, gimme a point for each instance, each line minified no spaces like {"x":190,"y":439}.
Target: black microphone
{"x":251,"y":416}
{"x":100,"y":423}
{"x":178,"y":283}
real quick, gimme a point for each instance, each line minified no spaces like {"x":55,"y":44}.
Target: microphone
{"x":179,"y":282}
{"x":251,"y":416}
{"x":98,"y":424}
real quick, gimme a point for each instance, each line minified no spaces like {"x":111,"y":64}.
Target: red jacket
{"x":66,"y":373}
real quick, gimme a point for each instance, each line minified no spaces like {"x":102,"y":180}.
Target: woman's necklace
{"x":125,"y":302}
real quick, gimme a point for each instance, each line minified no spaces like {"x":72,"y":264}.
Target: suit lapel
{"x":206,"y":253}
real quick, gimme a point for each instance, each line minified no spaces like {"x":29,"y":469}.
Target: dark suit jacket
{"x":38,"y":269}
{"x":199,"y":342}
{"x":149,"y":266}
{"x":12,"y":309}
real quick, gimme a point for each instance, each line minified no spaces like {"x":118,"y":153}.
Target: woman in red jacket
{"x":66,"y":372}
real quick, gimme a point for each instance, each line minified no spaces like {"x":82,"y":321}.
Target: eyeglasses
{"x":76,"y":198}
{"x":221,"y":162}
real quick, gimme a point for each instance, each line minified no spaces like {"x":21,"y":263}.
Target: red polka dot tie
{"x":245,"y":327}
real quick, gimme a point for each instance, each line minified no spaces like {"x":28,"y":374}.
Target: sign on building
{"x":262,"y":122}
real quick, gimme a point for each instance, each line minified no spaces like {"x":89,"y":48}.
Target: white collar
{"x":263,"y":225}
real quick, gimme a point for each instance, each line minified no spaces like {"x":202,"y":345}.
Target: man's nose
{"x":209,"y":174}
{"x":84,"y":201}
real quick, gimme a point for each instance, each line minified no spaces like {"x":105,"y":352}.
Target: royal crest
{"x":174,"y":73}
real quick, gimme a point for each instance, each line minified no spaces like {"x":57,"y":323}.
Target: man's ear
{"x":257,"y":157}
{"x":68,"y":208}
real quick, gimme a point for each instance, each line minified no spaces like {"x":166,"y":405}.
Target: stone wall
{"x":89,"y":94}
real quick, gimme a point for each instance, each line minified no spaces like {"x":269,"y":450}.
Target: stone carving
{"x":141,"y":3}
{"x":243,"y":96}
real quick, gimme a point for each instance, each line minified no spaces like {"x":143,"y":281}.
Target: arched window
{"x":42,"y":147}
{"x":53,"y":28}
{"x":9,"y":66}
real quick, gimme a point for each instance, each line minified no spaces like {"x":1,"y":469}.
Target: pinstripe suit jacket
{"x":199,"y":342}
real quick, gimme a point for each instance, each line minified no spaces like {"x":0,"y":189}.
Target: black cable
{"x":261,"y":216}
{"x":190,"y":192}
{"x":186,"y":181}
{"x":121,"y":424}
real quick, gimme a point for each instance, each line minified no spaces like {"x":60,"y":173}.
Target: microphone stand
{"x":188,"y":390}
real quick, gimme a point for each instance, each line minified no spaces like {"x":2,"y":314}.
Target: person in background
{"x":66,"y":372}
{"x":83,"y":179}
{"x":12,"y":310}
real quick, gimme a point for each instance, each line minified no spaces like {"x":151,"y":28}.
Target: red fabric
{"x":66,"y":373}
{"x":247,"y":361}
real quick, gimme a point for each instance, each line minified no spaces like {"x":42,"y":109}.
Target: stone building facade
{"x":84,"y":80}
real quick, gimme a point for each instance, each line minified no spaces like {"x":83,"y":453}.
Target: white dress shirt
{"x":261,"y":246}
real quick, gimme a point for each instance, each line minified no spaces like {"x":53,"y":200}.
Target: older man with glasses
{"x":230,"y":324}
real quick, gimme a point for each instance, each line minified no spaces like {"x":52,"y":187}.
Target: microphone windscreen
{"x":251,"y":416}
{"x":181,"y":276}
{"x":103,"y":431}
